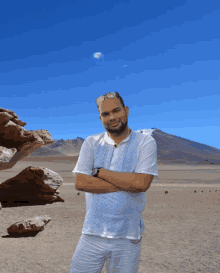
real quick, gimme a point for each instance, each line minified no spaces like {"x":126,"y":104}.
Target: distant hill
{"x":171,"y":149}
{"x":68,"y":146}
{"x":178,"y":150}
{"x":59,"y":148}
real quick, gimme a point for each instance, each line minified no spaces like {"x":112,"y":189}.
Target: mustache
{"x":114,"y":122}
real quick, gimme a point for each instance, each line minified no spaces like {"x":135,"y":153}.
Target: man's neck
{"x":119,"y":138}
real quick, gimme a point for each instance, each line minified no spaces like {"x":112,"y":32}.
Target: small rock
{"x":78,"y":193}
{"x":29,"y":225}
{"x":194,"y":191}
{"x":215,"y":190}
{"x":166,"y":192}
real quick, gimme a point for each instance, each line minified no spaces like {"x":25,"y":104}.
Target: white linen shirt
{"x":116,"y":214}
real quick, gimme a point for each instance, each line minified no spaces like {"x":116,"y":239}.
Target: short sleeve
{"x":85,"y":161}
{"x":147,"y":160}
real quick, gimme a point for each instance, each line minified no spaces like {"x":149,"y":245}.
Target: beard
{"x":118,"y":131}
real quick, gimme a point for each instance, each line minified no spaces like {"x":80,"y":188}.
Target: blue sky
{"x":163,"y":57}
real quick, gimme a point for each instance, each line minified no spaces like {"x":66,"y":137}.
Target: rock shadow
{"x":22,"y":235}
{"x":6,"y":204}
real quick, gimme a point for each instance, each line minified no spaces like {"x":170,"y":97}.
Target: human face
{"x":113,"y":116}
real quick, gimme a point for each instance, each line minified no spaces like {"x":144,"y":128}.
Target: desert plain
{"x":182,"y":227}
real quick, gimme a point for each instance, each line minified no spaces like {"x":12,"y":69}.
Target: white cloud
{"x":97,"y":55}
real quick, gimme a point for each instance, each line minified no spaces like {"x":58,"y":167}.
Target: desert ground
{"x":181,"y":227}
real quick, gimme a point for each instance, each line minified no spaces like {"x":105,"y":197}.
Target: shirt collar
{"x":109,"y":140}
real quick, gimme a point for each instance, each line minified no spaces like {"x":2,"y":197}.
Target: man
{"x":115,"y":168}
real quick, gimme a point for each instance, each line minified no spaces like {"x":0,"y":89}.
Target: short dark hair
{"x":118,"y":97}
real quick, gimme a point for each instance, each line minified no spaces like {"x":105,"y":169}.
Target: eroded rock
{"x":32,"y":185}
{"x":29,"y":225}
{"x":16,"y":140}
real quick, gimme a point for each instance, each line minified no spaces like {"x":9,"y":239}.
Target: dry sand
{"x":181,"y":227}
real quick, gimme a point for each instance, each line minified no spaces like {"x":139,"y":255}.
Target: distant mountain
{"x":178,"y":150}
{"x":68,"y":146}
{"x":60,"y":148}
{"x":171,"y":149}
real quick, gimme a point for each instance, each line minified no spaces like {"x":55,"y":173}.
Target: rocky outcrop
{"x":29,"y":225}
{"x":15,"y":141}
{"x":33,"y":185}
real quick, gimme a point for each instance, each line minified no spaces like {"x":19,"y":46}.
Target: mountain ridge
{"x":170,"y":149}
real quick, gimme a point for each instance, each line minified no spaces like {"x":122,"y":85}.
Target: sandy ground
{"x":181,"y":227}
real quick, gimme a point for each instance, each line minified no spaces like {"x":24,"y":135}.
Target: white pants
{"x":120,"y":255}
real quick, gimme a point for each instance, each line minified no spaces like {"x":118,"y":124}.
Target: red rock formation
{"x":32,"y":184}
{"x":15,"y":141}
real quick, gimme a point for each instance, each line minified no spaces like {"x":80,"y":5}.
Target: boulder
{"x":32,"y":185}
{"x":29,"y":225}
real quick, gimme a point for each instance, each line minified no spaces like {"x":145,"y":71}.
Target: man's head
{"x":112,"y":110}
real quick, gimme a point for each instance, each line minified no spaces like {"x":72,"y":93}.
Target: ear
{"x":127,"y":110}
{"x":100,"y":118}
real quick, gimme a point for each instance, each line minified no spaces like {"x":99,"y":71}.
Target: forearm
{"x":124,"y":181}
{"x":96,"y":185}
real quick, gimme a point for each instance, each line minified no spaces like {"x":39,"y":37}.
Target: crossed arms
{"x":109,"y":181}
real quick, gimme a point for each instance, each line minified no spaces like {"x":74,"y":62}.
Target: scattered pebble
{"x":166,"y":192}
